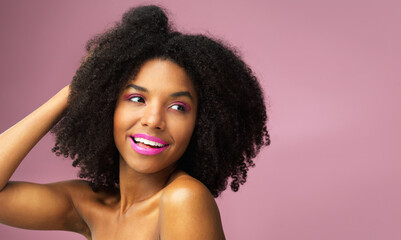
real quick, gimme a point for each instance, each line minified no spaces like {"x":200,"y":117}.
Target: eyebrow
{"x":142,"y":89}
{"x":176,"y":94}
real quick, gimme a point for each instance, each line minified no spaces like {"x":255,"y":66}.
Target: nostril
{"x":153,"y":121}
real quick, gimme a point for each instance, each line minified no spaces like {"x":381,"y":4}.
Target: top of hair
{"x":231,"y":124}
{"x":150,"y":16}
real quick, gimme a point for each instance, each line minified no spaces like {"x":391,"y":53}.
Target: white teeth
{"x":148,"y":142}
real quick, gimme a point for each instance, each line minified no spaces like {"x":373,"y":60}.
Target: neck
{"x":136,"y":187}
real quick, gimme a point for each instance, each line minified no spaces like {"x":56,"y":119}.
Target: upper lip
{"x":150,"y":138}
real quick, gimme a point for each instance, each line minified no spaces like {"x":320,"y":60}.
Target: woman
{"x":157,"y":121}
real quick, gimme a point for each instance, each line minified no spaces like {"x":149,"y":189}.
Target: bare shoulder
{"x":81,"y":189}
{"x":83,"y":196}
{"x":184,"y":188}
{"x":189,"y":211}
{"x":87,"y":203}
{"x":75,"y":184}
{"x":76,"y":189}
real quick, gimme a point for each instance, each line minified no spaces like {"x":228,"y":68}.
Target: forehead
{"x":160,"y":74}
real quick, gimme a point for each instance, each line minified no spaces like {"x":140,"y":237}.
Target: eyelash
{"x":184,"y":106}
{"x":129,"y":97}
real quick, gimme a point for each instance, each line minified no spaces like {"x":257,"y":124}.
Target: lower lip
{"x":146,"y":151}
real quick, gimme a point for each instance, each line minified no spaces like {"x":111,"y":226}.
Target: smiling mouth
{"x":147,"y":143}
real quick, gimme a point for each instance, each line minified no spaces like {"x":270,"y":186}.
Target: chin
{"x":149,"y":168}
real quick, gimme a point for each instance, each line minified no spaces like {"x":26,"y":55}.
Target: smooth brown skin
{"x":155,"y":201}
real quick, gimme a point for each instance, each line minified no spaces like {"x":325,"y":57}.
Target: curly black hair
{"x":231,"y":123}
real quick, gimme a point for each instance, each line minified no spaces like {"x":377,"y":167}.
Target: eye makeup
{"x":182,"y":104}
{"x":132,"y":95}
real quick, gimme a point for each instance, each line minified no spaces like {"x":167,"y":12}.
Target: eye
{"x":182,"y":107}
{"x":136,"y":98}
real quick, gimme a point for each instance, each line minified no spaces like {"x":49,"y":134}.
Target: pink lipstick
{"x":147,"y":145}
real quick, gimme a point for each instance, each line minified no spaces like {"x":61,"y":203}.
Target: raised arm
{"x":29,"y":205}
{"x":17,"y":141}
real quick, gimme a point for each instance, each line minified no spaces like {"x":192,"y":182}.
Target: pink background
{"x":331,"y":71}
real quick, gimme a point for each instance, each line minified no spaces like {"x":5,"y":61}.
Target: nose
{"x":153,"y":117}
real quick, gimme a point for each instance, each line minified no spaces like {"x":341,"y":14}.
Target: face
{"x":154,"y":117}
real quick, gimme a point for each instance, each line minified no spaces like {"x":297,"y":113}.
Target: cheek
{"x":119,"y":123}
{"x":121,"y":118}
{"x":183,"y":133}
